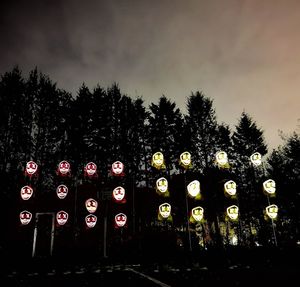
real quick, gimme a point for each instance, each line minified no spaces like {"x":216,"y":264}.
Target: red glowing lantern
{"x":117,"y":168}
{"x":62,"y":217}
{"x":25,"y":217}
{"x":61,"y":191}
{"x":64,"y":168}
{"x":119,"y":194}
{"x":120,"y":220}
{"x":91,"y":220}
{"x":91,"y":205}
{"x":26,"y":192}
{"x":31,"y":168}
{"x":90,"y":170}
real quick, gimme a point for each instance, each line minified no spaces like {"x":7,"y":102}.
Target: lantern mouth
{"x":194,"y":188}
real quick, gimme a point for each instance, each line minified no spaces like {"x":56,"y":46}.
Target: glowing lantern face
{"x":193,"y":188}
{"x":221,"y":158}
{"x":233,"y":212}
{"x":26,"y":192}
{"x":62,"y":217}
{"x":158,"y":160}
{"x":165,"y":210}
{"x":117,"y":168}
{"x":120,"y":219}
{"x":91,"y":205}
{"x":91,"y":169}
{"x":197,"y":213}
{"x":119,"y":193}
{"x":91,"y":220}
{"x":230,"y":187}
{"x":61,"y":191}
{"x":185,"y":159}
{"x":25,"y":217}
{"x":256,"y":158}
{"x":162,"y":185}
{"x":272,"y":211}
{"x":269,"y":186}
{"x":31,"y":167}
{"x":64,"y":167}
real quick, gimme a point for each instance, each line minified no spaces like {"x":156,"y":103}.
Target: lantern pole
{"x":187,"y":213}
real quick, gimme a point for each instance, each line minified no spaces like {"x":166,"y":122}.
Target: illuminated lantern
{"x":269,"y":186}
{"x":62,"y":217}
{"x":25,"y":217}
{"x":193,"y":189}
{"x":64,"y":168}
{"x":197,"y":214}
{"x":272,"y":211}
{"x":164,"y":211}
{"x":31,"y":168}
{"x":233,"y":212}
{"x":222,"y":158}
{"x":119,"y":194}
{"x":230,"y":188}
{"x":90,"y":169}
{"x":26,"y":192}
{"x":91,"y":220}
{"x":158,"y":160}
{"x":91,"y":205}
{"x":61,"y":191}
{"x":117,"y":168}
{"x":162,"y":186}
{"x":120,"y":220}
{"x":186,"y":160}
{"x":256,"y":158}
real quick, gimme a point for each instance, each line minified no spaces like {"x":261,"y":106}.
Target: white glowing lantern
{"x":62,"y":217}
{"x":117,"y":168}
{"x":162,"y":185}
{"x":91,"y":169}
{"x":164,"y":210}
{"x":25,"y":217}
{"x":91,"y":205}
{"x":61,"y":191}
{"x":119,"y":194}
{"x":186,"y":159}
{"x":222,"y":158}
{"x":193,"y":188}
{"x":91,"y":220}
{"x":120,"y":220}
{"x":197,"y":213}
{"x":269,"y":186}
{"x":272,"y":211}
{"x":230,"y":187}
{"x":26,"y":192}
{"x":256,"y":158}
{"x":158,"y":160}
{"x":31,"y":168}
{"x":233,"y":212}
{"x":64,"y":168}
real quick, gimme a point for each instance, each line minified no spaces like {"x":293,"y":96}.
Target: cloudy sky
{"x":245,"y":55}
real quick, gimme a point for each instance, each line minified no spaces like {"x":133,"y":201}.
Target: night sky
{"x":245,"y":55}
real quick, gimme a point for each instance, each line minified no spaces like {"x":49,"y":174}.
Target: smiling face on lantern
{"x":64,"y":167}
{"x":31,"y":167}
{"x":119,"y":193}
{"x":233,"y":212}
{"x":162,"y":185}
{"x":158,"y":159}
{"x":269,"y":186}
{"x":185,"y":158}
{"x":117,"y":168}
{"x":230,"y":187}
{"x":62,"y":217}
{"x":193,"y":188}
{"x":61,"y":191}
{"x":26,"y":192}
{"x":91,"y":220}
{"x":120,"y":219}
{"x":272,"y":211}
{"x":91,"y":205}
{"x":25,"y":217}
{"x":91,"y":169}
{"x":221,"y":158}
{"x":256,"y":158}
{"x":197,"y":213}
{"x":165,"y":210}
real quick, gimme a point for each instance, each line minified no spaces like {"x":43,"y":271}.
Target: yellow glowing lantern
{"x":162,"y":186}
{"x":269,"y":187}
{"x":197,"y":214}
{"x":256,"y":159}
{"x":193,"y":189}
{"x":222,"y":159}
{"x":233,"y":212}
{"x":185,"y":160}
{"x":158,"y":160}
{"x":230,"y":188}
{"x":272,"y":211}
{"x":164,"y":211}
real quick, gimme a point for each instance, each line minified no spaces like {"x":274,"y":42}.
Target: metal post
{"x":187,"y":213}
